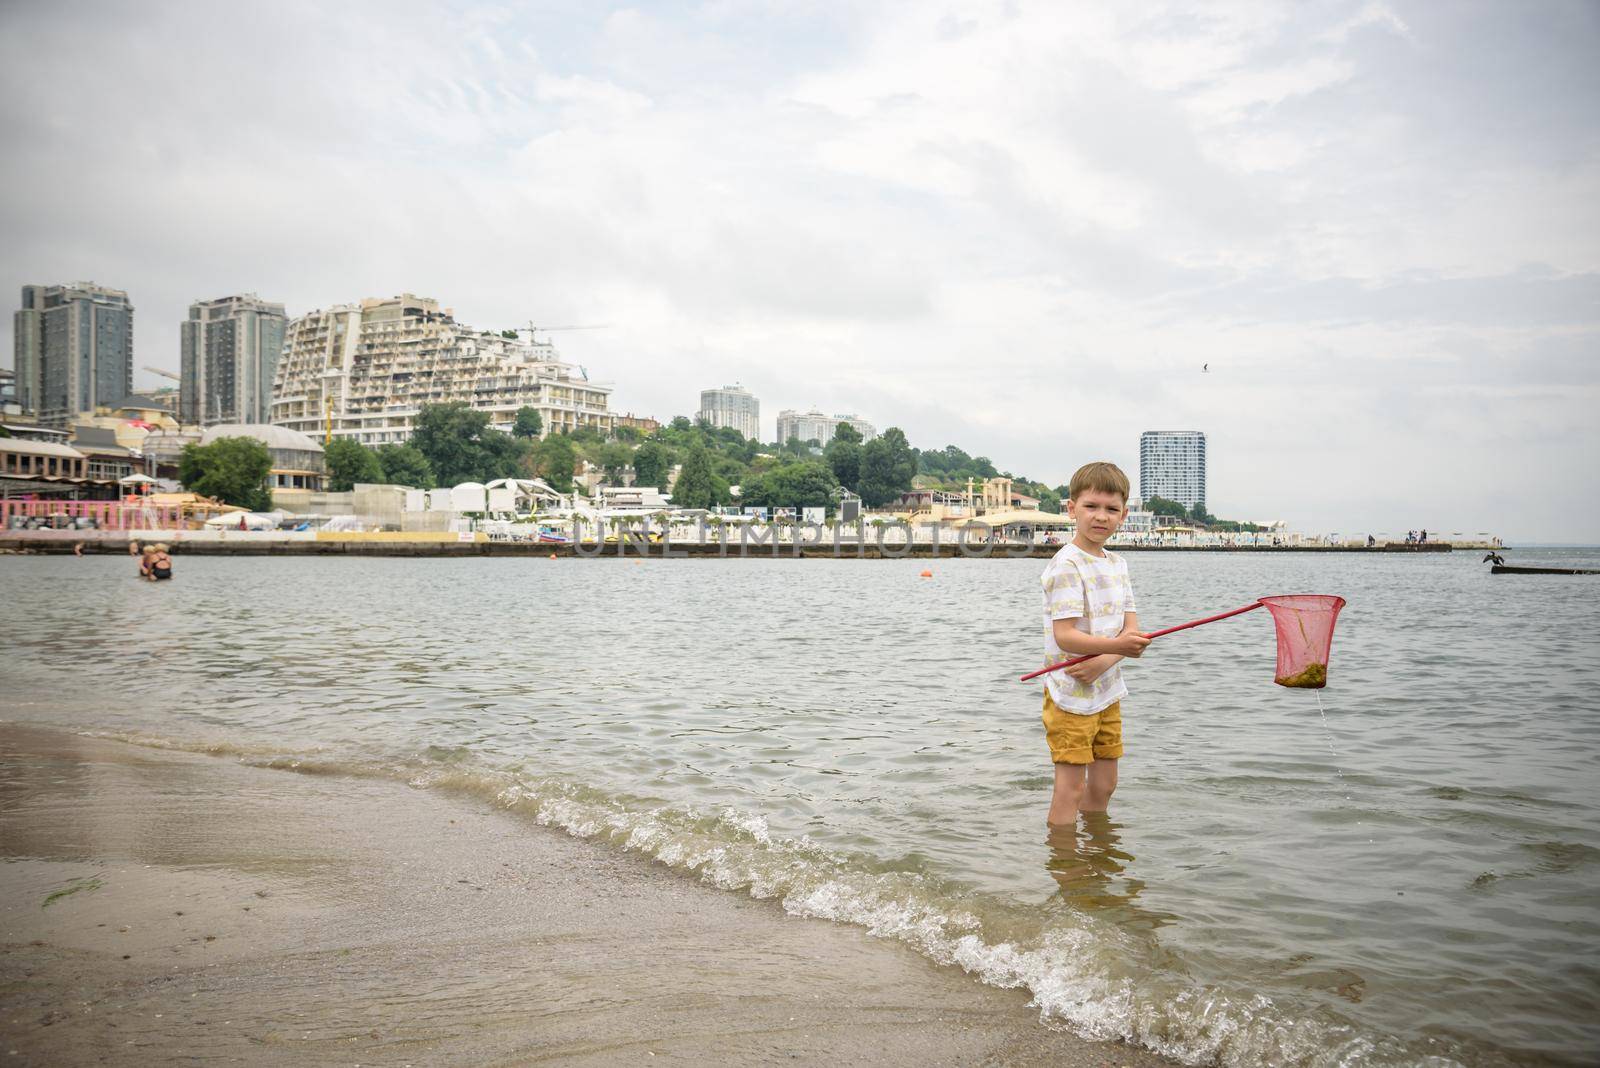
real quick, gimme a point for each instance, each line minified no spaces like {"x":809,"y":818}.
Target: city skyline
{"x":1375,"y":223}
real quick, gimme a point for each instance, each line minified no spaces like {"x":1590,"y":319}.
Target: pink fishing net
{"x":1305,"y":637}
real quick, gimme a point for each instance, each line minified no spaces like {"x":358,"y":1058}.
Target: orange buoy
{"x":552,"y":556}
{"x":927,"y":574}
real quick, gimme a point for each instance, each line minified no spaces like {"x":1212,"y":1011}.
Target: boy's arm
{"x":1069,"y":639}
{"x":1090,"y":670}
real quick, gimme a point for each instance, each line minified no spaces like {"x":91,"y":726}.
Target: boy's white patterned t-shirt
{"x":1095,"y":591}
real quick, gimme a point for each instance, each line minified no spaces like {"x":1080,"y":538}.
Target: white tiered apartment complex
{"x":364,"y":371}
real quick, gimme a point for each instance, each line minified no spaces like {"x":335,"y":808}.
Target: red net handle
{"x":1152,"y":634}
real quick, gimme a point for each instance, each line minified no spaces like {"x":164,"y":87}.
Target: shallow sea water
{"x":1407,"y":873}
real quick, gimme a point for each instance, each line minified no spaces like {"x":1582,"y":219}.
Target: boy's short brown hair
{"x":1101,"y":476}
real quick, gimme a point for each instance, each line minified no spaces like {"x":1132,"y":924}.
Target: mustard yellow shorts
{"x":1076,"y":739}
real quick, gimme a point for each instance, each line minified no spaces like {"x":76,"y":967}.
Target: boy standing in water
{"x":1088,"y":610}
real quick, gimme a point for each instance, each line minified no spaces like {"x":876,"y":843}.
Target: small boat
{"x":1509,"y":569}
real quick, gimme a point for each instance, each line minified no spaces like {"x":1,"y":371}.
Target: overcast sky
{"x":1019,"y":228}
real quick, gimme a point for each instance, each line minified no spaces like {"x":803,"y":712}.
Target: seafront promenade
{"x":401,"y":543}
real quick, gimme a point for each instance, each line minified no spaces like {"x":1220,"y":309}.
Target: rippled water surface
{"x":1407,"y":871}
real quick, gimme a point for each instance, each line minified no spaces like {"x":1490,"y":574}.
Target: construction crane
{"x":162,"y":373}
{"x":534,"y":330}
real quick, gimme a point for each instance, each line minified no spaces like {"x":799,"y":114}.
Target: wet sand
{"x":173,"y":907}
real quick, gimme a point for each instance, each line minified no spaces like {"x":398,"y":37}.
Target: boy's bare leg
{"x":1102,"y":782}
{"x":1068,"y":793}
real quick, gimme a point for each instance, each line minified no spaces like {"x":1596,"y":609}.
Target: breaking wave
{"x":1085,"y":974}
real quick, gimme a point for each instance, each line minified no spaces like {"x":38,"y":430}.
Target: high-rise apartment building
{"x":732,"y":406}
{"x":364,"y":371}
{"x":1172,"y":465}
{"x":230,"y":349}
{"x":814,"y":426}
{"x":74,"y":350}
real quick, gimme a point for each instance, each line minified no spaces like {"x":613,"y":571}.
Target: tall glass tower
{"x":74,"y":350}
{"x":1172,"y":465}
{"x":230,"y":350}
{"x":732,"y":406}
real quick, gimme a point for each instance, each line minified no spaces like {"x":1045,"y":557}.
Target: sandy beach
{"x":177,"y":907}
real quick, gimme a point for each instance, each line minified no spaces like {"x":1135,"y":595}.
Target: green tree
{"x":695,"y":487}
{"x":350,"y":462}
{"x":843,"y":457}
{"x":231,"y":470}
{"x":403,"y":465}
{"x":528,"y":424}
{"x":1162,"y":506}
{"x":844,"y":432}
{"x":557,"y":462}
{"x":651,"y":465}
{"x":887,"y":468}
{"x":460,"y":446}
{"x":614,"y":457}
{"x":806,"y":484}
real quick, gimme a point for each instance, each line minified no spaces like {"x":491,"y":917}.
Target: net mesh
{"x":1305,"y":637}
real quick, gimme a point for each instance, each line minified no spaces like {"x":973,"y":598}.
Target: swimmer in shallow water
{"x":160,"y":564}
{"x":155,"y":564}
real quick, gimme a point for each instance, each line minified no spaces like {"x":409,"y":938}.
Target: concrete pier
{"x":393,"y":543}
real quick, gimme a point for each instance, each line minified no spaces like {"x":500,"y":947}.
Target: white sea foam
{"x":1084,"y":975}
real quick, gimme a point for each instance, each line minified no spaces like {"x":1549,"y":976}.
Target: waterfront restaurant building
{"x":1172,"y":465}
{"x":364,"y":371}
{"x":732,"y":406}
{"x":297,"y":461}
{"x":20,"y":458}
{"x":31,"y":468}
